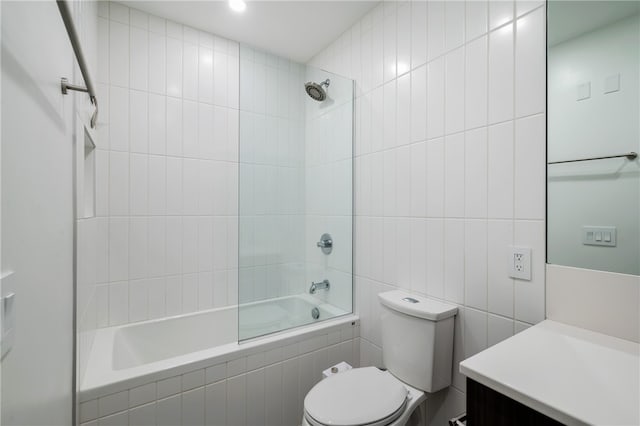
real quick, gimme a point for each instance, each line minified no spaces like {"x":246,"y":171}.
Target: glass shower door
{"x":295,"y":195}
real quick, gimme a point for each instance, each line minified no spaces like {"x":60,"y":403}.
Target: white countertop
{"x":570,"y":374}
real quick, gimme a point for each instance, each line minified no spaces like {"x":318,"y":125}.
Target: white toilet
{"x":417,"y":349}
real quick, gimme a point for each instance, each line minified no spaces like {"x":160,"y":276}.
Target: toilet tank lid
{"x":417,"y":306}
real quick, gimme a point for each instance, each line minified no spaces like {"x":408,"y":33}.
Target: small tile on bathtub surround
{"x":170,"y":386}
{"x":313,"y":344}
{"x":120,"y":419}
{"x":193,"y":380}
{"x":255,"y":399}
{"x":144,"y":415}
{"x":216,"y":404}
{"x":142,"y":394}
{"x":274,"y":395}
{"x":216,"y":373}
{"x":255,"y":361}
{"x":236,"y":398}
{"x":307,"y":373}
{"x":88,"y":410}
{"x":273,"y":355}
{"x":290,"y":351}
{"x":334,"y":337}
{"x":236,"y":366}
{"x":193,"y":407}
{"x":291,"y":396}
{"x":113,"y":403}
{"x":169,"y":411}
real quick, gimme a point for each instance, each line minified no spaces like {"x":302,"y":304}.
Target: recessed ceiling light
{"x":237,"y":5}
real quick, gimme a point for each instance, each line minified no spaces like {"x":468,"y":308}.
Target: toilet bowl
{"x":361,"y":396}
{"x":417,"y":348}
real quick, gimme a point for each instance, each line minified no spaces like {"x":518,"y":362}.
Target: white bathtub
{"x":124,"y":357}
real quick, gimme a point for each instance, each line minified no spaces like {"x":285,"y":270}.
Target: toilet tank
{"x":417,"y":339}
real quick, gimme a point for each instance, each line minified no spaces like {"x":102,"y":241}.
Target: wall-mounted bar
{"x":65,"y":12}
{"x":630,"y":156}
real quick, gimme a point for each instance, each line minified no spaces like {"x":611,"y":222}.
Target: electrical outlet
{"x":519,"y":263}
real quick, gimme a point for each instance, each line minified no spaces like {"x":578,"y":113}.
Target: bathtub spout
{"x":324,"y":285}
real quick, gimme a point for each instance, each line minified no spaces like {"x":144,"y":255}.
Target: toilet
{"x":417,"y":350}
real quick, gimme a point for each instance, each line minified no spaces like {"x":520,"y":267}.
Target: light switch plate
{"x":599,"y":236}
{"x":519,"y":263}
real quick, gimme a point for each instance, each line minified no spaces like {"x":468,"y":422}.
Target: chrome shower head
{"x":316,"y":91}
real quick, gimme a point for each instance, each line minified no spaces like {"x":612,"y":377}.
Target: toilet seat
{"x":362,"y":396}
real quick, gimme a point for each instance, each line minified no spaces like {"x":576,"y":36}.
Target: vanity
{"x":553,"y":373}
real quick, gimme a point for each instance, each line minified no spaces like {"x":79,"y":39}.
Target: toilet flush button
{"x":410,"y":300}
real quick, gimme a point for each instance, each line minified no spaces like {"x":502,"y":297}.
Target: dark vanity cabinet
{"x":486,"y":407}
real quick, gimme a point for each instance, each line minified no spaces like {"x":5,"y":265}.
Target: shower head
{"x":316,"y":91}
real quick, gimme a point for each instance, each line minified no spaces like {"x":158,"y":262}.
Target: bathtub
{"x":129,"y":356}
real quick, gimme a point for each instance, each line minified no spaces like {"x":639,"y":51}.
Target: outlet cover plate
{"x":519,"y":263}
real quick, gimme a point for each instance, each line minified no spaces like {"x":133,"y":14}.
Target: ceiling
{"x":293,"y":29}
{"x":569,"y":19}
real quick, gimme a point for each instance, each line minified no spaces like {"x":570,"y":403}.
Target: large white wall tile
{"x":475,"y":100}
{"x":529,"y":180}
{"x":500,"y":165}
{"x":530,"y":53}
{"x":501,"y":76}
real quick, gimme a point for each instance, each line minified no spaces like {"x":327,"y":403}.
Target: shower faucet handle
{"x":325,"y":243}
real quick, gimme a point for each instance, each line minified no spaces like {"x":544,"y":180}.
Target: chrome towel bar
{"x":67,"y":18}
{"x":630,"y":156}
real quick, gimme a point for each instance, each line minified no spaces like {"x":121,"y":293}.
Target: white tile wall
{"x":166,"y":165}
{"x":475,"y":165}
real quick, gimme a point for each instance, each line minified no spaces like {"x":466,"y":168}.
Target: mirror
{"x":593,"y":98}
